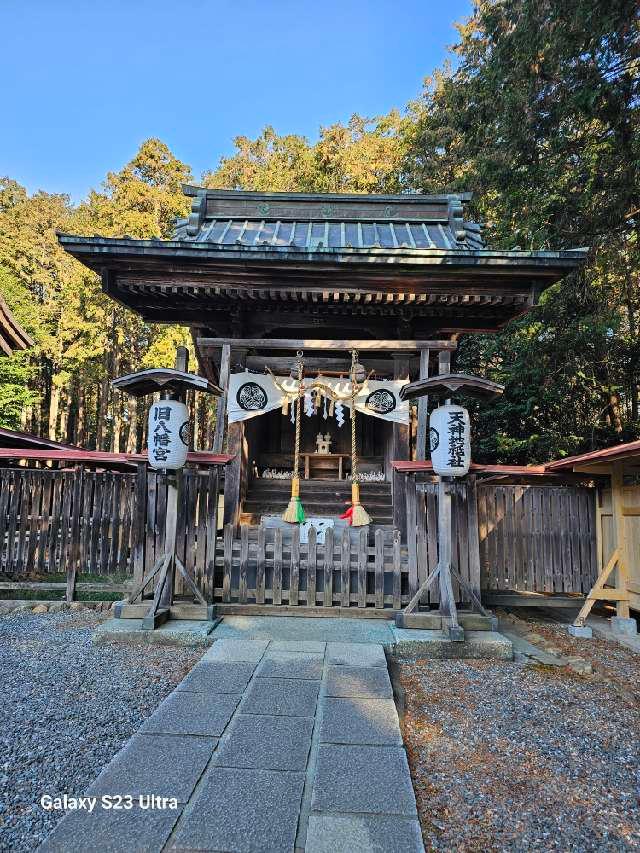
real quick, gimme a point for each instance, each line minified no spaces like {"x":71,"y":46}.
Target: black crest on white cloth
{"x":251,"y":397}
{"x":381,"y":401}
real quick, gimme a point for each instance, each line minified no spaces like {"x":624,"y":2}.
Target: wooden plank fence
{"x":514,"y":537}
{"x":346,"y":570}
{"x":422,"y":534}
{"x":102,"y":523}
{"x":523,"y":538}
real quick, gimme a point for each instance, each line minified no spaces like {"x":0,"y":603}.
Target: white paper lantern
{"x":168,"y":440}
{"x":450,"y":440}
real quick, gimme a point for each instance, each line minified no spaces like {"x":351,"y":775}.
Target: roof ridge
{"x":193,"y":190}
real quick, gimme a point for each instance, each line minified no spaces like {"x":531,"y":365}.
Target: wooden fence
{"x":537,"y":538}
{"x":102,"y":523}
{"x":522,"y":538}
{"x":272,"y":566}
{"x":422,"y":534}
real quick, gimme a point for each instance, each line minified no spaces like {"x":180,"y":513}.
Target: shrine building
{"x":260,"y":277}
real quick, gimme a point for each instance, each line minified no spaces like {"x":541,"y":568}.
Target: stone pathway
{"x":268,"y":745}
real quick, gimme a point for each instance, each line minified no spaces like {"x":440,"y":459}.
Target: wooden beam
{"x":617,"y":497}
{"x":281,"y":365}
{"x":237,"y":448}
{"x":327,"y":344}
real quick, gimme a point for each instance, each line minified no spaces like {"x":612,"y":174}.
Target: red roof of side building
{"x":427,"y":467}
{"x":102,"y":458}
{"x":14,"y":438}
{"x":608,"y":454}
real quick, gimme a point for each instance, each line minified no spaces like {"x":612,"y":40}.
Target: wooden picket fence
{"x":272,"y":566}
{"x":522,"y":538}
{"x":537,"y":538}
{"x":515,"y":537}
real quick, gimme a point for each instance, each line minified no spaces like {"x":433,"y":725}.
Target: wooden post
{"x":447,"y":601}
{"x":74,"y":550}
{"x":170,"y":530}
{"x":399,"y":448}
{"x":236,"y":447}
{"x":423,"y":416}
{"x":221,"y":415}
{"x":400,"y":431}
{"x":617,"y":499}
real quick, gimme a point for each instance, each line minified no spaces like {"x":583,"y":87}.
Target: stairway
{"x":319,"y":498}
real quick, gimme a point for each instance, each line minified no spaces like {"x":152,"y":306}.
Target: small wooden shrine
{"x":267,"y":281}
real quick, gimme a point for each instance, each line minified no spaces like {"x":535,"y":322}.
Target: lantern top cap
{"x":446,"y":384}
{"x":163,"y":379}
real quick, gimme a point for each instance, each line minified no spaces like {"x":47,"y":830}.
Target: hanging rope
{"x":294,"y":513}
{"x":357,"y":514}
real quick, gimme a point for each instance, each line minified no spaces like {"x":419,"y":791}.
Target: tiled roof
{"x":315,"y":222}
{"x":311,"y":236}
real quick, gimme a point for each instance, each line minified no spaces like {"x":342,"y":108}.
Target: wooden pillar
{"x":170,"y":530}
{"x":447,"y":604}
{"x":422,"y":436}
{"x":235,"y":471}
{"x":399,"y":441}
{"x":617,"y":500}
{"x":221,"y":414}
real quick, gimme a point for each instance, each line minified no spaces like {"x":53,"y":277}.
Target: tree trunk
{"x":117,"y":426}
{"x":103,"y":400}
{"x":54,"y":406}
{"x":614,"y":408}
{"x":80,"y":431}
{"x":132,"y":437}
{"x":64,"y":406}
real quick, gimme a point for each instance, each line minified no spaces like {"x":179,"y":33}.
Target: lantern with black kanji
{"x":450,"y":440}
{"x":168,"y":441}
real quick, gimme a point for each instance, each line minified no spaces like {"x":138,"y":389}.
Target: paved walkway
{"x":268,"y":745}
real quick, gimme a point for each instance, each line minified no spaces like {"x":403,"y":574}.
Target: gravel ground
{"x":512,"y":757}
{"x":66,"y":708}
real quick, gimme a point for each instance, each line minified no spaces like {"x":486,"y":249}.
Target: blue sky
{"x":84,"y":82}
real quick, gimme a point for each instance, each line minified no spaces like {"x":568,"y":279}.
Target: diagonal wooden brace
{"x":190,"y":582}
{"x":597,"y":588}
{"x":475,"y":601}
{"x":158,"y":567}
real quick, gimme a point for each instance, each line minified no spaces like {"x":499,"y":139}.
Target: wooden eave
{"x":178,"y":280}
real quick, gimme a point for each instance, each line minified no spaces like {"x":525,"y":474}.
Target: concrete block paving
{"x":271,"y":744}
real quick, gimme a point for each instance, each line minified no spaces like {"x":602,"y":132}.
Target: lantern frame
{"x":446,"y":385}
{"x":172,"y":384}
